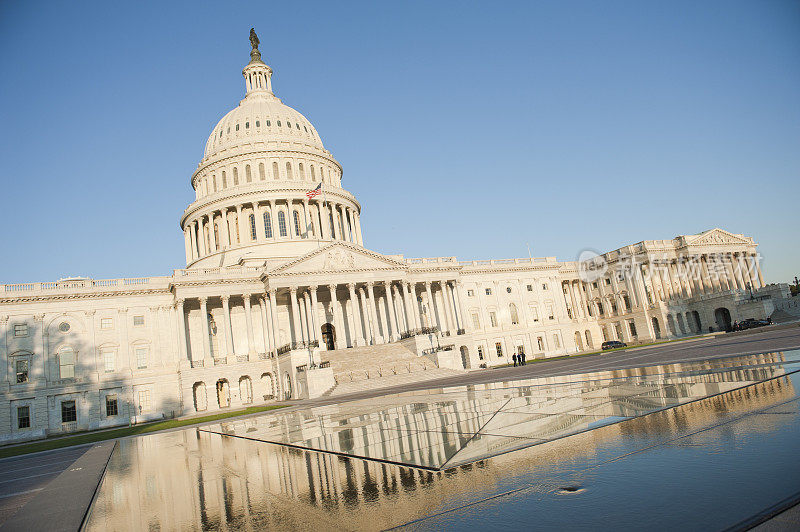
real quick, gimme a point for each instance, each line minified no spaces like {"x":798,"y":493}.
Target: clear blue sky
{"x":465,"y":129}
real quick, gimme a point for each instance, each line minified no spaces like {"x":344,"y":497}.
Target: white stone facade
{"x":278,"y":281}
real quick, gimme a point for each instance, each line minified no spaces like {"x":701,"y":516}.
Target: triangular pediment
{"x":716,"y":236}
{"x":339,"y":257}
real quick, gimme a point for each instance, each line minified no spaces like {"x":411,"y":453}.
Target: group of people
{"x":518,"y":358}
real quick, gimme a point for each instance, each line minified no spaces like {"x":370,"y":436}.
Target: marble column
{"x":261,"y":229}
{"x":251,"y":345}
{"x":392,"y":309}
{"x":313,"y":322}
{"x":355,"y":319}
{"x":447,"y":309}
{"x":208,"y":360}
{"x":265,"y":329}
{"x":298,"y":335}
{"x":432,"y":318}
{"x":338,"y":324}
{"x":399,"y":305}
{"x":574,"y":305}
{"x":181,"y":323}
{"x":373,"y":314}
{"x":226,"y":322}
{"x":273,"y":307}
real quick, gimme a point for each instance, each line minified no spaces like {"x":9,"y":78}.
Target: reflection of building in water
{"x":198,"y":480}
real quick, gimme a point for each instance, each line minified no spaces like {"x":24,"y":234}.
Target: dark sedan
{"x":613,"y":344}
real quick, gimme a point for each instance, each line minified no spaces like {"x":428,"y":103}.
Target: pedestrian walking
{"x":514,"y":358}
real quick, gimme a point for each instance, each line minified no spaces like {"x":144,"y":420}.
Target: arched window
{"x":512,"y":309}
{"x":275,"y":173}
{"x":302,"y":171}
{"x":296,"y":223}
{"x":200,"y":399}
{"x":267,"y":225}
{"x":214,"y":182}
{"x":261,"y":173}
{"x":235,"y":176}
{"x":247,"y":174}
{"x":224,"y":181}
{"x":252,"y":227}
{"x":282,"y":223}
{"x":289,"y":171}
{"x":216,"y":234}
{"x":313,"y":177}
{"x":66,"y":363}
{"x":246,"y":390}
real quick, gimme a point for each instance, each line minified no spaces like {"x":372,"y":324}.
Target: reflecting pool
{"x":696,"y":445}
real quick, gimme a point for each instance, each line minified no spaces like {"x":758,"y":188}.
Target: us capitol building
{"x":280,"y":299}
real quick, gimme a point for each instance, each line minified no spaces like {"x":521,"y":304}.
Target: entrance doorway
{"x":723,"y":318}
{"x":329,"y":336}
{"x":656,"y":328}
{"x":223,"y":393}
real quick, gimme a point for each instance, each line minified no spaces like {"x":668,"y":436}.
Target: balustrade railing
{"x":417,"y":332}
{"x":297,"y":345}
{"x":197,"y":363}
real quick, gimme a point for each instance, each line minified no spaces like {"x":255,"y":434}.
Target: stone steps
{"x":390,"y":381}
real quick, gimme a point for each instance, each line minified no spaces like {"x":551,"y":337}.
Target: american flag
{"x":316,"y":192}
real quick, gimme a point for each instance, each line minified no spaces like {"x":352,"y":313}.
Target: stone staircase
{"x":379,"y":366}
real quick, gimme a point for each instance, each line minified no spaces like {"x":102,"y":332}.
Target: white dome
{"x":261,"y":118}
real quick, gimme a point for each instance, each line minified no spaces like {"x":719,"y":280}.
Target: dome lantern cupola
{"x":257,"y":75}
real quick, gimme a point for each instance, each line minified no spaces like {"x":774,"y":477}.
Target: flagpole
{"x":324,"y":201}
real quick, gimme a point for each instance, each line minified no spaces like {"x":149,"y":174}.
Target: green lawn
{"x":144,"y":428}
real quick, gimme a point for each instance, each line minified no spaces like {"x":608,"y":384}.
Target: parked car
{"x":613,"y":344}
{"x":751,"y":323}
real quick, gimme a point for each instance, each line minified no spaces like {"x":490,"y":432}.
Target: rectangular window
{"x":550,"y":314}
{"x":499,"y":348}
{"x":144,"y":401}
{"x":520,"y":349}
{"x":252,"y":227}
{"x":106,"y":323}
{"x":109,"y":360}
{"x":540,"y":342}
{"x":470,"y":293}
{"x":530,"y":288}
{"x":23,"y":417}
{"x":111,"y":405}
{"x":488,"y":291}
{"x":66,"y":364}
{"x":138,"y":321}
{"x":633,"y":329}
{"x":20,"y":330}
{"x":21,"y":367}
{"x":594,"y":284}
{"x":535,"y":313}
{"x":627,"y":302}
{"x":480,"y":352}
{"x":544,"y":286}
{"x":608,"y":282}
{"x":556,"y":341}
{"x":493,"y":319}
{"x":141,"y":357}
{"x":476,"y":321}
{"x":68,"y":412}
